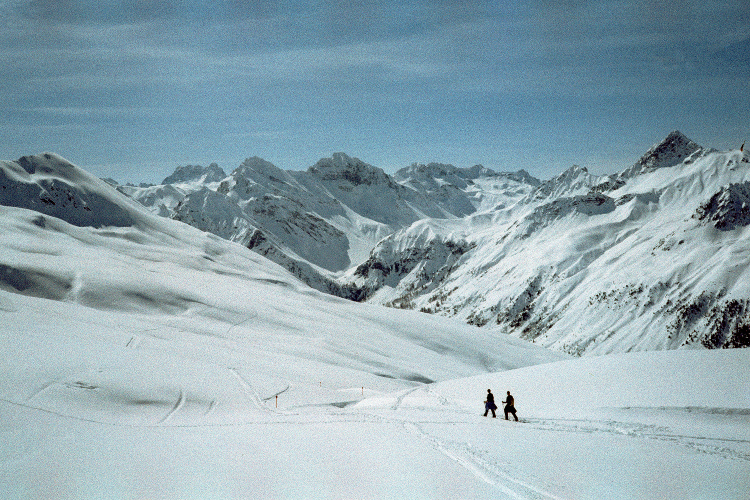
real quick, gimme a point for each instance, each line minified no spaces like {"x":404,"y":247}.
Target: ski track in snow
{"x":177,"y":406}
{"x":494,"y":473}
{"x":282,"y":391}
{"x":134,"y":342}
{"x":515,"y":483}
{"x":254,"y":396}
{"x":250,"y":317}
{"x":211,"y":408}
{"x":703,"y":444}
{"x":400,"y":398}
{"x":43,"y":388}
{"x":501,"y":476}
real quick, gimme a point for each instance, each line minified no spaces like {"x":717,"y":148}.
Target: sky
{"x":132,"y":89}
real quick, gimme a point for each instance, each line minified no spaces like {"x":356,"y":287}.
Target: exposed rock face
{"x":425,"y":264}
{"x":676,"y":148}
{"x":341,"y":167}
{"x":728,"y":209}
{"x":196,"y":173}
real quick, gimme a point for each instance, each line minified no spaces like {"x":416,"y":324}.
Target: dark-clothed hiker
{"x":509,"y":408}
{"x":489,"y":404}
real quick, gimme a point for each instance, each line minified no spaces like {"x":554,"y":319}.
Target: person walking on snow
{"x":489,"y":404}
{"x":509,"y":408}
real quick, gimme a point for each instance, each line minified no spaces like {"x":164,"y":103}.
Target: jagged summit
{"x":669,"y":152}
{"x":574,"y":181}
{"x":676,"y":148}
{"x":257,"y":164}
{"x":196,"y":173}
{"x":522,"y":176}
{"x":566,"y":262}
{"x":261,"y":170}
{"x":442,"y":170}
{"x":447,"y":171}
{"x":343,"y":167}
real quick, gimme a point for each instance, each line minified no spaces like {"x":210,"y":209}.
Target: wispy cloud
{"x":310,"y":73}
{"x":98,"y":111}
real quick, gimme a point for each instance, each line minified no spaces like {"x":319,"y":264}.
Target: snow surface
{"x":153,"y":360}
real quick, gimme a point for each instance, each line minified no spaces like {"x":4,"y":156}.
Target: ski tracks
{"x":400,"y":399}
{"x":177,"y":406}
{"x":501,"y":476}
{"x":721,"y":447}
{"x":282,"y":391}
{"x":493,"y":473}
{"x":256,"y":399}
{"x":249,"y":390}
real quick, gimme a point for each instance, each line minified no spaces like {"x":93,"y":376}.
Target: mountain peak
{"x":675,"y":146}
{"x":673,"y":150}
{"x":443,"y":171}
{"x":343,"y":167}
{"x":257,"y":165}
{"x":193,"y":173}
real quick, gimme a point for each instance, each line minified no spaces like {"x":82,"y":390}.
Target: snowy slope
{"x":463,"y":191}
{"x":158,"y":403}
{"x":672,"y":424}
{"x":198,"y":299}
{"x":50,"y":185}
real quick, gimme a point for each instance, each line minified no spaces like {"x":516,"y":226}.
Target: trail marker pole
{"x":277,"y":401}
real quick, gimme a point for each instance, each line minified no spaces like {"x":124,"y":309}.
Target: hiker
{"x":489,"y":404}
{"x":509,"y":408}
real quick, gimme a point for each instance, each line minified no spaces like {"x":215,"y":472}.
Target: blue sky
{"x":132,"y":89}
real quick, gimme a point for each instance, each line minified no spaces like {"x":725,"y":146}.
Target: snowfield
{"x":145,"y":359}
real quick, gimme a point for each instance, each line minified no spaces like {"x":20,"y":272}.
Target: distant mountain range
{"x":653,"y":257}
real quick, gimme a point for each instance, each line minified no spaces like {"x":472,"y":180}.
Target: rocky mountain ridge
{"x":652,"y":257}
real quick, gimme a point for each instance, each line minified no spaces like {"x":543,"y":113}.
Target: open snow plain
{"x":152,"y":360}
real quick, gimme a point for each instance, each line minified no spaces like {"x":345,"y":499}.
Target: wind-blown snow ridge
{"x":51,"y":185}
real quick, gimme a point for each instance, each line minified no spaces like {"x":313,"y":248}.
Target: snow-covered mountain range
{"x":659,"y":246}
{"x":322,"y":223}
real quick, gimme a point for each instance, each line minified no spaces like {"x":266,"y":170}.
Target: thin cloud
{"x":99,"y":111}
{"x":449,"y":75}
